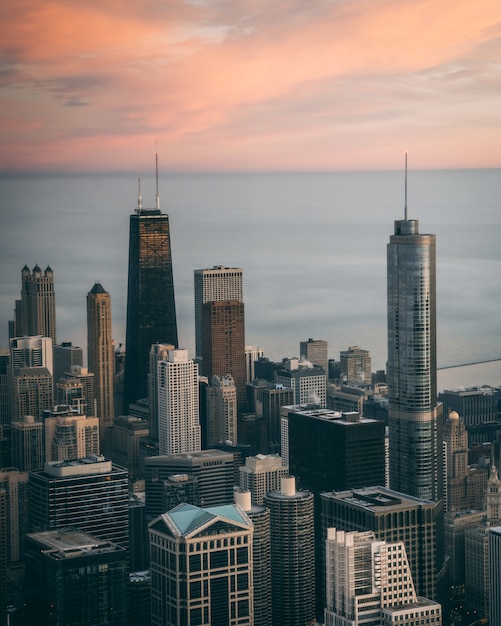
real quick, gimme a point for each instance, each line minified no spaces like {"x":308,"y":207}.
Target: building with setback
{"x":393,"y":517}
{"x":415,"y":415}
{"x":89,"y":494}
{"x":68,"y":435}
{"x":201,"y":567}
{"x":261,"y":474}
{"x":101,"y":355}
{"x":151,"y":309}
{"x":35,"y":312}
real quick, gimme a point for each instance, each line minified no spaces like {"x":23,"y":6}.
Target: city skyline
{"x":249,"y":86}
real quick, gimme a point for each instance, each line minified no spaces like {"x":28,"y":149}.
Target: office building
{"x":15,"y":485}
{"x":101,"y":355}
{"x":355,"y":366}
{"x":77,"y":390}
{"x":261,"y":556}
{"x":201,"y":567}
{"x":262,"y":474}
{"x":465,"y":485}
{"x":158,"y":352}
{"x":69,"y":435}
{"x":34,"y":351}
{"x":66,"y":356}
{"x":139,"y":598}
{"x":221,"y":406}
{"x":213,"y":469}
{"x":495,"y":576}
{"x":27,"y":444}
{"x":393,"y":517}
{"x":457,"y":524}
{"x":330,"y":451}
{"x":176,"y":489}
{"x":292,"y":554}
{"x":215,"y":284}
{"x":35,"y":312}
{"x":346,"y":399}
{"x":370,"y":582}
{"x":178,"y":409}
{"x":89,"y":494}
{"x":223,"y":349}
{"x":32,"y":392}
{"x":252,"y":354}
{"x":415,"y":415}
{"x":151,"y":308}
{"x":476,"y":405}
{"x":308,"y":382}
{"x":75,"y":578}
{"x":315,"y":351}
{"x":125,"y":440}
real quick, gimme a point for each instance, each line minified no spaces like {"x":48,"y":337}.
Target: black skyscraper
{"x":151,"y":309}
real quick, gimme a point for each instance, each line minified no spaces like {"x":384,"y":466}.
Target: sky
{"x":249,"y":85}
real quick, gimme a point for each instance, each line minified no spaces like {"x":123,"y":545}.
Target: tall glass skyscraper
{"x":415,"y":416}
{"x":151,"y":309}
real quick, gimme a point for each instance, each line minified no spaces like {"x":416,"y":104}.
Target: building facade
{"x":315,"y":351}
{"x":201,"y":567}
{"x":355,"y":366}
{"x":261,"y":474}
{"x":35,"y":312}
{"x":101,"y":355}
{"x":158,"y":352}
{"x":221,"y":401}
{"x":178,"y":407}
{"x":415,"y":415}
{"x":151,"y":309}
{"x":27,"y":444}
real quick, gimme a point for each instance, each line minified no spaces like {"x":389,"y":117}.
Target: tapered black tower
{"x":151,"y":309}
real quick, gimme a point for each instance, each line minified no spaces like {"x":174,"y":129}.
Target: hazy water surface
{"x":312,"y":247}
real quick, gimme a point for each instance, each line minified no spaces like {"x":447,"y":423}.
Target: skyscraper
{"x":355,"y":366}
{"x":214,"y":285}
{"x":292,"y":554}
{"x":151,"y":308}
{"x":158,"y":352}
{"x":178,"y":412}
{"x":415,"y":416}
{"x":315,"y":351}
{"x":27,"y":444}
{"x":221,"y":402}
{"x":201,"y":566}
{"x":36,"y":310}
{"x":101,"y":355}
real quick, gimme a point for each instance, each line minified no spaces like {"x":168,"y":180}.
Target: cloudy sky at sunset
{"x":250,"y":84}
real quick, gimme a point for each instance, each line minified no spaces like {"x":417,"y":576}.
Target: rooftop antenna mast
{"x":405,"y":206}
{"x":156,"y":165}
{"x":139,"y":197}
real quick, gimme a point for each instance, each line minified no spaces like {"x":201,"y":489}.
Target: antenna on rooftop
{"x":156,"y":165}
{"x":139,"y":197}
{"x":405,"y":205}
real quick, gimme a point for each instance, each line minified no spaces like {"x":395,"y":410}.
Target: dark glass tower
{"x":151,"y":309}
{"x":415,"y":415}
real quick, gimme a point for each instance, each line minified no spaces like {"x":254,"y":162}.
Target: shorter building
{"x":139,"y":598}
{"x":355,"y":365}
{"x":252,"y":354}
{"x":307,"y":380}
{"x":74,"y":578}
{"x":15,"y":486}
{"x":66,"y":356}
{"x":221,"y":411}
{"x":315,"y":351}
{"x":369,"y":581}
{"x":32,"y":392}
{"x":27,"y":447}
{"x":124,"y":443}
{"x":495,"y":576}
{"x":262,"y":474}
{"x":201,"y":567}
{"x":476,"y":405}
{"x":69,"y":435}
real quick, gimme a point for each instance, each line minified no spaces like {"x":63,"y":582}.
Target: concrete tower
{"x":178,"y":410}
{"x":415,"y":416}
{"x":101,"y":355}
{"x":221,"y":398}
{"x":151,"y":309}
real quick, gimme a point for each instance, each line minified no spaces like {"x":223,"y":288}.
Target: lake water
{"x":312,"y":247}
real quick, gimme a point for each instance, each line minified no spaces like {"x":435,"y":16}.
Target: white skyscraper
{"x":178,"y":410}
{"x":370,"y":582}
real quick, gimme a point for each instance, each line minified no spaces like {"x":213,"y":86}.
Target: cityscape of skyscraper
{"x":318,"y":492}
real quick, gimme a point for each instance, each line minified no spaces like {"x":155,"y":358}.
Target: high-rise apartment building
{"x":68,"y":435}
{"x":35,"y":312}
{"x":223,"y":343}
{"x":201,"y":567}
{"x":75,"y":578}
{"x":178,"y":410}
{"x":215,"y":284}
{"x":393,"y":517}
{"x":415,"y":415}
{"x":32,"y":392}
{"x":90,"y":494}
{"x":355,"y":366}
{"x":33,"y":351}
{"x":27,"y":444}
{"x":292,"y":554}
{"x":101,"y":355}
{"x":252,"y":354}
{"x":221,"y":401}
{"x":261,"y":474}
{"x":158,"y":352}
{"x":316,"y":352}
{"x":151,"y":308}
{"x":369,"y":581}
